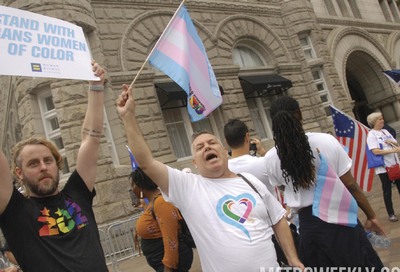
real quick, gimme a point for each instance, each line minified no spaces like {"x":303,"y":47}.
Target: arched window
{"x":249,"y":57}
{"x":246,"y":57}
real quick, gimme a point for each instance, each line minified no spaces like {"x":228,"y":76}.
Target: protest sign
{"x":40,"y":46}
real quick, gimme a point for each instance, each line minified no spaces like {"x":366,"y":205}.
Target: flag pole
{"x":158,"y":41}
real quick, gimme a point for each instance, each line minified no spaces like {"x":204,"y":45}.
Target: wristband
{"x":97,"y":88}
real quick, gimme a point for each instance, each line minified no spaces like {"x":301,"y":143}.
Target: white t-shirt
{"x":329,"y":147}
{"x":253,"y":165}
{"x":227,"y":219}
{"x":376,"y":139}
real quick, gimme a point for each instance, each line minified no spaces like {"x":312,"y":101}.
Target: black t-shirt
{"x":57,"y":233}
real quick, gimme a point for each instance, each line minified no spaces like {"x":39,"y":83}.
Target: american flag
{"x":353,"y":135}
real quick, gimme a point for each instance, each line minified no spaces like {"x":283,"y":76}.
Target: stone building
{"x":319,"y":51}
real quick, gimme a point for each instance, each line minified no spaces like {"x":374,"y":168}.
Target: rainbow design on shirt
{"x":236,"y":210}
{"x":61,"y":221}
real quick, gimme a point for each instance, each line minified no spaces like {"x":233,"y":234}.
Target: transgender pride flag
{"x":134,"y":163}
{"x":333,"y":203}
{"x":180,"y":54}
{"x":393,"y":75}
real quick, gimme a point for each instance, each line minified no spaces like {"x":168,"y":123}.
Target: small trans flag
{"x":133,"y":160}
{"x":180,"y":54}
{"x":333,"y":203}
{"x":393,"y":76}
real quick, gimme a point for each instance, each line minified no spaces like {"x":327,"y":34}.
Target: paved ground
{"x":139,"y":264}
{"x":390,"y":257}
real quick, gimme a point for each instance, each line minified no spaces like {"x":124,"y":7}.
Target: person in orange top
{"x":159,"y":227}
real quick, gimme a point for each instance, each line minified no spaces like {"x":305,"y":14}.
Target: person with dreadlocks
{"x":158,"y":227}
{"x":293,"y":164}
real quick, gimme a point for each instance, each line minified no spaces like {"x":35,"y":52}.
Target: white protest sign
{"x":40,"y":46}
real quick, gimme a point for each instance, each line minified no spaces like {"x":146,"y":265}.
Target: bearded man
{"x":49,"y":229}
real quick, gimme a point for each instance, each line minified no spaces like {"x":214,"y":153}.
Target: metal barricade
{"x":106,"y":245}
{"x":117,"y":240}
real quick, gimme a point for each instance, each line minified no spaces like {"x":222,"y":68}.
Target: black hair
{"x":235,"y":132}
{"x":141,"y":180}
{"x":291,"y":143}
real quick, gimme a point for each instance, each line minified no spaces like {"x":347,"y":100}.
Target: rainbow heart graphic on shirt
{"x":236,"y":210}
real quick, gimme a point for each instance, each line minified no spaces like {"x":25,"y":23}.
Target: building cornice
{"x":329,"y":23}
{"x":248,"y":6}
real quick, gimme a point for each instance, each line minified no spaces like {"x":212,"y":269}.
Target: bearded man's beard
{"x":40,"y":189}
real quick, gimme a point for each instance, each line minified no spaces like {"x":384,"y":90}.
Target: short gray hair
{"x":371,"y":119}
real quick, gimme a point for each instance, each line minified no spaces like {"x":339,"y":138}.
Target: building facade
{"x":321,"y":52}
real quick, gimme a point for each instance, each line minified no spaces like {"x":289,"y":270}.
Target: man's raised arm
{"x":156,"y":170}
{"x":6,"y":185}
{"x":92,"y":129}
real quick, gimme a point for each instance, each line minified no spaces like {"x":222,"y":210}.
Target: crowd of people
{"x":295,"y":166}
{"x":231,"y":204}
